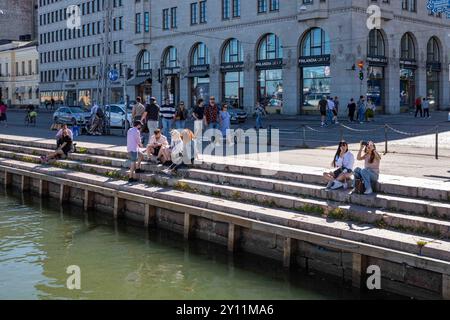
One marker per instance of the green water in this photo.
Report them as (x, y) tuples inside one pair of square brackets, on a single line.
[(39, 240)]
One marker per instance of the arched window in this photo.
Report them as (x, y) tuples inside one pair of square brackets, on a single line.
[(315, 43), (144, 60), (375, 45), (200, 55), (170, 59), (270, 48), (233, 52), (408, 49), (433, 52)]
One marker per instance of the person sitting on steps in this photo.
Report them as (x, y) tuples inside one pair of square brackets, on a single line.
[(371, 171), (343, 161), (63, 147)]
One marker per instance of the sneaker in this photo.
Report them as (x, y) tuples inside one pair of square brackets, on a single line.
[(368, 191), (337, 185)]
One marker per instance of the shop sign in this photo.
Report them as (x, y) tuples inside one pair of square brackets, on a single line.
[(171, 71), (306, 61), (144, 73), (377, 60), (269, 64), (204, 68), (232, 66), (408, 64)]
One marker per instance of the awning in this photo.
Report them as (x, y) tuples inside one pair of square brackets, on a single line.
[(137, 81)]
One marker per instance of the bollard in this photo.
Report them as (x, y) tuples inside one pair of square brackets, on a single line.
[(385, 139), (269, 138), (304, 136), (437, 143)]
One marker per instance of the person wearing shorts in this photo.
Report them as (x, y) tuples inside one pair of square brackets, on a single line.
[(323, 105), (135, 156)]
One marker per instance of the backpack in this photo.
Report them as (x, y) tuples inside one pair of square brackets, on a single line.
[(100, 112), (359, 186)]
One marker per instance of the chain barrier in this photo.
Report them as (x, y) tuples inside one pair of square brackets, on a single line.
[(386, 129)]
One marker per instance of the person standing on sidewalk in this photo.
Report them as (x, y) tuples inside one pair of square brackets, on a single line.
[(135, 156), (361, 109), (138, 110), (181, 116), (332, 114), (3, 117), (260, 113), (336, 108), (426, 107), (323, 107), (198, 115), (419, 107), (212, 117), (351, 107), (168, 115), (150, 120)]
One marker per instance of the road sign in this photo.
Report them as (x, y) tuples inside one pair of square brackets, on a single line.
[(113, 75)]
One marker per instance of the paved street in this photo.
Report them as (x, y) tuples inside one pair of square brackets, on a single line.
[(408, 156)]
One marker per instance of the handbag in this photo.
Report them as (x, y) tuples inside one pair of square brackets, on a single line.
[(359, 186)]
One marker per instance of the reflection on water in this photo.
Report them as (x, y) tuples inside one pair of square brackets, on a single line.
[(39, 240)]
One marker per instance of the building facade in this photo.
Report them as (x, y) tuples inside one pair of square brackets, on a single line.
[(285, 54), (19, 73), (72, 50), (17, 20)]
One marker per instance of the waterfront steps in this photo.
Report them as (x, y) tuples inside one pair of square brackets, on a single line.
[(401, 220)]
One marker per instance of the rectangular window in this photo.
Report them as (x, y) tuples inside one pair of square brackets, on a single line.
[(262, 6), (274, 5), (165, 21), (173, 18), (226, 9), (146, 21), (202, 11), (138, 23), (236, 8), (194, 12)]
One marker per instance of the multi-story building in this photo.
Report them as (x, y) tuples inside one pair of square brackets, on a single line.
[(17, 20), (286, 54), (19, 73), (71, 50)]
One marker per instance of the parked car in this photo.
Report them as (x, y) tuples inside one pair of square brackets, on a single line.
[(118, 115), (71, 115), (237, 115)]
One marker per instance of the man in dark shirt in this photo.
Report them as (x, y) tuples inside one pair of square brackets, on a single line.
[(212, 114), (150, 119), (323, 105)]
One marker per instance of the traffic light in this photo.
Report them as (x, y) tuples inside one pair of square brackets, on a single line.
[(361, 68), (361, 75), (130, 73)]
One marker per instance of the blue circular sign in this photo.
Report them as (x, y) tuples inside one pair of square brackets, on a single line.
[(113, 75)]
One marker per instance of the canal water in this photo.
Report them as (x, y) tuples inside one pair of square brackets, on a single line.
[(39, 240)]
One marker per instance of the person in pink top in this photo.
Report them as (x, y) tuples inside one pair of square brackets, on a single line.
[(371, 172), (3, 117), (135, 156)]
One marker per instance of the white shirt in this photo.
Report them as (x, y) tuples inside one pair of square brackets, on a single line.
[(347, 161), (133, 140), (94, 110), (331, 104), (426, 104)]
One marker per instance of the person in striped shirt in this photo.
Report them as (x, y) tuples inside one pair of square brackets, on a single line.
[(167, 112)]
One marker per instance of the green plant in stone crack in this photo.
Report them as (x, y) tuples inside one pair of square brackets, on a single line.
[(81, 150), (421, 243), (337, 214)]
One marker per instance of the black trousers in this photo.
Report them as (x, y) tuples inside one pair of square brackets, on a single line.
[(419, 109), (426, 112), (351, 114)]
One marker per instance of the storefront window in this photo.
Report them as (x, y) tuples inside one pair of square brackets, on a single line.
[(316, 43), (171, 78), (84, 98), (407, 92), (233, 88), (271, 89), (171, 58), (375, 45), (375, 84), (200, 55), (270, 73), (199, 73), (433, 72), (316, 84), (232, 73), (144, 61)]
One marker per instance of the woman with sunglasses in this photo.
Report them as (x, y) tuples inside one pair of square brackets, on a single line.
[(343, 162), (181, 116), (371, 171)]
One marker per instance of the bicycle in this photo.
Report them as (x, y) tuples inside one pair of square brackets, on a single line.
[(30, 118)]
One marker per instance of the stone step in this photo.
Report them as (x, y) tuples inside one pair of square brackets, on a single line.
[(326, 208), (368, 234), (414, 188), (426, 208)]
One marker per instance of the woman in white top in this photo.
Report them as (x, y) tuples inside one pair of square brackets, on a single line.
[(343, 163)]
